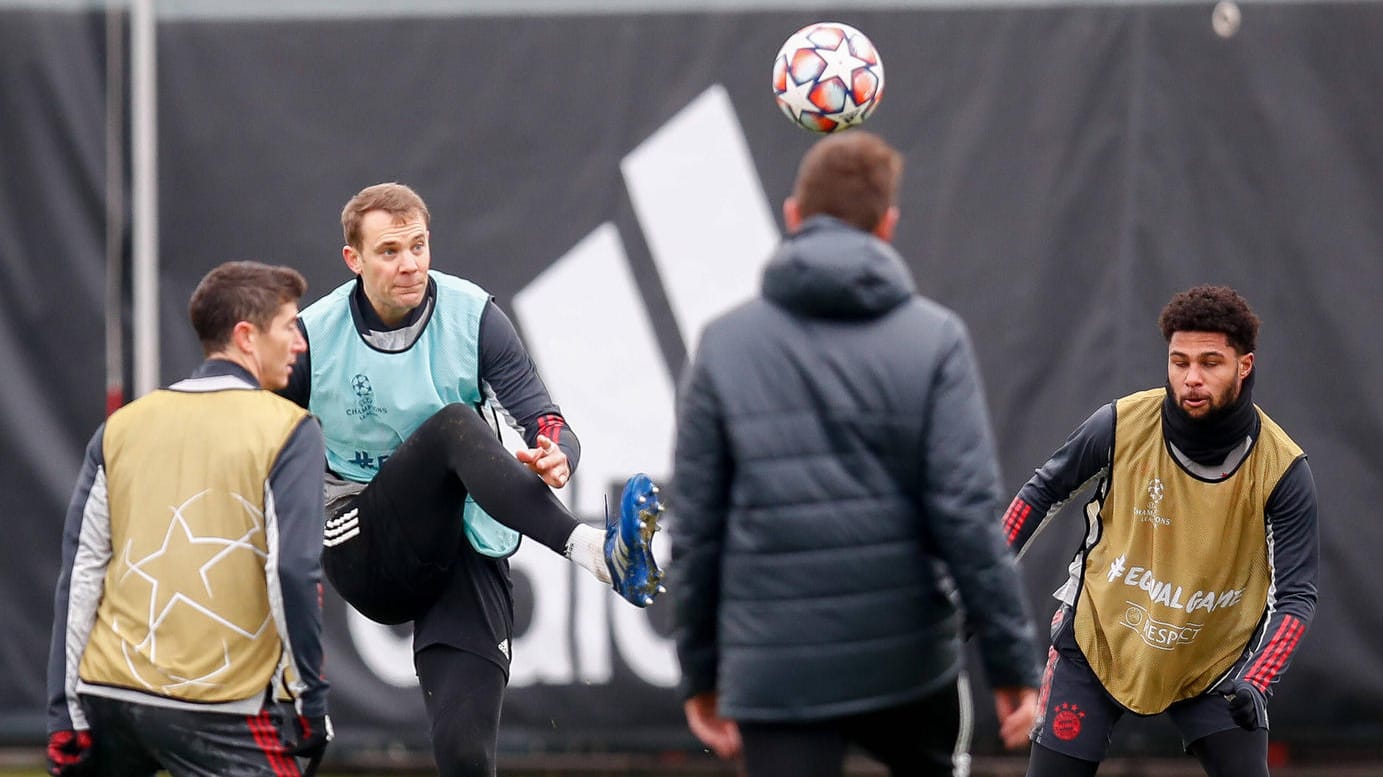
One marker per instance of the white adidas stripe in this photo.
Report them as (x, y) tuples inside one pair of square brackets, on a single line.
[(341, 528), (694, 189)]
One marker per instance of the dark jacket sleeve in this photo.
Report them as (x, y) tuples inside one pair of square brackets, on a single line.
[(960, 500), (86, 552), (1085, 455), (295, 484), (1295, 555), (509, 372), (701, 488)]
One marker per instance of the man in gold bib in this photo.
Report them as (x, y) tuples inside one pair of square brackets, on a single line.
[(190, 593), (1197, 577)]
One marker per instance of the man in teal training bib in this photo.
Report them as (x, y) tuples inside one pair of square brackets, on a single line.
[(423, 502)]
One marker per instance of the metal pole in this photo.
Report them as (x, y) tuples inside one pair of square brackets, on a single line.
[(144, 125), (115, 207)]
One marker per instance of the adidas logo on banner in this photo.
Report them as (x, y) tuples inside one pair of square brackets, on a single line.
[(709, 230)]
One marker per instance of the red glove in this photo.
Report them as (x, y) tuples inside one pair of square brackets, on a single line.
[(69, 753)]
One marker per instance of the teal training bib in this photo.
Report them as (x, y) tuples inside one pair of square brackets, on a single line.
[(370, 400)]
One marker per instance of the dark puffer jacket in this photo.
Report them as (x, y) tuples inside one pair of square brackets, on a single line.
[(834, 466)]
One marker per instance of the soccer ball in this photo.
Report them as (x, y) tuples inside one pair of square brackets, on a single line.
[(828, 77)]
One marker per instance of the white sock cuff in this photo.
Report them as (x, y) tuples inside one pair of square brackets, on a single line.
[(586, 547)]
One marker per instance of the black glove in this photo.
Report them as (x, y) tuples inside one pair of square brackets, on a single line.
[(1247, 704), (314, 732), (69, 753)]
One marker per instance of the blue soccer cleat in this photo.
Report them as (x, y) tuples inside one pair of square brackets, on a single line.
[(634, 572)]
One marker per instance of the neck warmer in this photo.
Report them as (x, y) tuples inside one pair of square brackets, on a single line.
[(1209, 440)]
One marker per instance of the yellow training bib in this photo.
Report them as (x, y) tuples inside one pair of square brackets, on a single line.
[(1177, 581)]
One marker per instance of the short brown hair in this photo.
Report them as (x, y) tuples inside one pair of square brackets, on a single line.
[(853, 176), (240, 291), (1212, 309), (395, 199)]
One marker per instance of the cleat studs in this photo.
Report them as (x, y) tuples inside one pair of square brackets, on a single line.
[(642, 499)]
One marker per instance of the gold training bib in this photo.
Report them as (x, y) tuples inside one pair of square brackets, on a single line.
[(1177, 581), (186, 610)]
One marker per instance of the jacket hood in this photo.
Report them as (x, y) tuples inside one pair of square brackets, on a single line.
[(828, 269)]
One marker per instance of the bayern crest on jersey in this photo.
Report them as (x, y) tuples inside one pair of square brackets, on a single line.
[(828, 77)]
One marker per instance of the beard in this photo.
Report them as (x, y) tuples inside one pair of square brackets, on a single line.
[(1220, 405), (1228, 419)]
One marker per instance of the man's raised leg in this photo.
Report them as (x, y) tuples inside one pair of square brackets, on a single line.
[(455, 453)]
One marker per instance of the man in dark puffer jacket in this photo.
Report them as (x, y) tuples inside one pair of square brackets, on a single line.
[(835, 494)]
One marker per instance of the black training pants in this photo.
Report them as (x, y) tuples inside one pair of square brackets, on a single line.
[(1233, 753), (409, 516), (924, 738), (463, 693), (137, 740)]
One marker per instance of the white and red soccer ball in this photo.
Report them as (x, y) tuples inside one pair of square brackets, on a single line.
[(828, 77)]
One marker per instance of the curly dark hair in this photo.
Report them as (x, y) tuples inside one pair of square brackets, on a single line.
[(1212, 309)]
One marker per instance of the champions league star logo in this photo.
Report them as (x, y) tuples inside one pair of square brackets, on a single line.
[(364, 399), (1153, 513)]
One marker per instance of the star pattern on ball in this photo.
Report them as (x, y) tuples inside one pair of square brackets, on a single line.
[(796, 98), (828, 77), (849, 114), (841, 63)]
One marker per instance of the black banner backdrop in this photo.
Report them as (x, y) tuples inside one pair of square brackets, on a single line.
[(52, 251), (1069, 169)]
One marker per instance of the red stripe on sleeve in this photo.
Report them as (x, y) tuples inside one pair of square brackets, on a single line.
[(1290, 645), (550, 426), (1266, 667), (1015, 518)]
